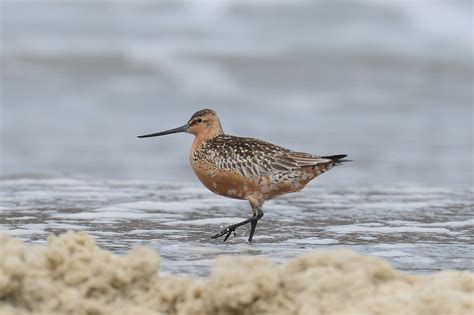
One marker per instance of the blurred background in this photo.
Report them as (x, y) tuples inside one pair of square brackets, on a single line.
[(387, 82)]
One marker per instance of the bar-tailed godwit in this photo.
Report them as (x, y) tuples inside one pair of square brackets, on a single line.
[(247, 168)]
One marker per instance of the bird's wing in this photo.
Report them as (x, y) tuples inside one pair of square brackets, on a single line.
[(255, 158), (306, 159)]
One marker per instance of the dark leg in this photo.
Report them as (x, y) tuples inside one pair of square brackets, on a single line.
[(253, 224), (231, 228)]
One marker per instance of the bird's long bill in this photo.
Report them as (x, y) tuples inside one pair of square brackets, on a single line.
[(167, 132)]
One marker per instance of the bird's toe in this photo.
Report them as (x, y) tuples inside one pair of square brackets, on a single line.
[(227, 231)]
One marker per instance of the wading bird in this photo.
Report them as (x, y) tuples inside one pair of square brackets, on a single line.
[(246, 168)]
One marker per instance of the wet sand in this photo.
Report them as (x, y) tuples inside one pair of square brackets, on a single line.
[(71, 275)]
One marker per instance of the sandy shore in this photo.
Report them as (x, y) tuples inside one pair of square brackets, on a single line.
[(71, 275)]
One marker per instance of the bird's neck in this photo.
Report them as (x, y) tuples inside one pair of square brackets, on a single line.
[(204, 136)]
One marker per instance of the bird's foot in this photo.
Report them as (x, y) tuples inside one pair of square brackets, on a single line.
[(228, 230)]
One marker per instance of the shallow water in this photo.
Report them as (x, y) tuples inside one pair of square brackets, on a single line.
[(420, 229)]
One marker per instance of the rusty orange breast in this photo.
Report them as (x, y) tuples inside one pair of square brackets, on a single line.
[(224, 182)]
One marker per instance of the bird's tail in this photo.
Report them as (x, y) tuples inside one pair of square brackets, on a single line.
[(329, 162), (323, 164), (337, 158)]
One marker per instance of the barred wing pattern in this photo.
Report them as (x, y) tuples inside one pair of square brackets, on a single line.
[(255, 158)]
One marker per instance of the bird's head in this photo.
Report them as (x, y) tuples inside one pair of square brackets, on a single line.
[(203, 123)]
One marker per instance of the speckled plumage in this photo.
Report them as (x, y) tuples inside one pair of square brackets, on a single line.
[(247, 168), (255, 158)]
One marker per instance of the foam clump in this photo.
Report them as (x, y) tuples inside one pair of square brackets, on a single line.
[(71, 275)]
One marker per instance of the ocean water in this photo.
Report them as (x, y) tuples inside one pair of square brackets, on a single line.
[(387, 82), (419, 229)]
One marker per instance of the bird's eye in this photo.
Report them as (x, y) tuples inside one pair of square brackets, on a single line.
[(199, 120)]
